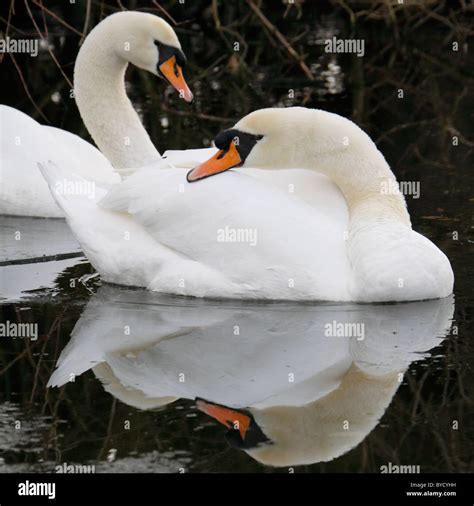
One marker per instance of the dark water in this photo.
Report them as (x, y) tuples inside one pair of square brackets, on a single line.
[(427, 422)]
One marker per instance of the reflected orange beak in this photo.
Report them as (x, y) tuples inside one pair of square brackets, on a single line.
[(174, 74), (231, 418), (220, 162)]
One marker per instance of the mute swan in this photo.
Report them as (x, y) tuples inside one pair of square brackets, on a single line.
[(144, 40), (238, 236), (385, 259), (290, 382), (24, 142)]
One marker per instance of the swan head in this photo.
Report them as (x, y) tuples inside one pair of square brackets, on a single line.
[(315, 431), (244, 432), (281, 138), (150, 43)]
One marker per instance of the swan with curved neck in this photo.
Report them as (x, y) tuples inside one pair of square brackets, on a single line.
[(126, 37), (146, 41), (314, 140), (379, 223), (246, 234)]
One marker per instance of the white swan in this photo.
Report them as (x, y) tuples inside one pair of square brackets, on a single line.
[(24, 142), (301, 393), (241, 237), (126, 37), (146, 41), (380, 257)]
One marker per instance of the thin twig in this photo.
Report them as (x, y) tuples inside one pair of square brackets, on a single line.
[(86, 22), (221, 29), (49, 49), (60, 68), (25, 86), (56, 17), (281, 38), (208, 69), (209, 117), (166, 13), (44, 21)]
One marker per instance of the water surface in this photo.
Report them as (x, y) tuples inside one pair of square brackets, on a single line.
[(128, 408)]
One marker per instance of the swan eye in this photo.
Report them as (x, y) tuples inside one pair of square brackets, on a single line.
[(222, 153), (243, 141), (166, 52)]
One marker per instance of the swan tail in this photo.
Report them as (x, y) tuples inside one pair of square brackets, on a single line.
[(68, 371), (95, 228), (69, 189), (117, 246)]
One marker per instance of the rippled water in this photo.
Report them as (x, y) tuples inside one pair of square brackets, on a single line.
[(400, 395)]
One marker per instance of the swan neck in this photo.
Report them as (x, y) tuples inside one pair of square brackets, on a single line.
[(366, 181), (99, 89), (369, 200)]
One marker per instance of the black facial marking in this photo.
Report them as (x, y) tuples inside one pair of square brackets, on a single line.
[(253, 437), (166, 52), (244, 142)]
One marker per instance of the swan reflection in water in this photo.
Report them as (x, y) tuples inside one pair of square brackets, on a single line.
[(293, 383)]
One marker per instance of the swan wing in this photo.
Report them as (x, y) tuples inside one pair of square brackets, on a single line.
[(308, 185), (119, 247), (265, 242)]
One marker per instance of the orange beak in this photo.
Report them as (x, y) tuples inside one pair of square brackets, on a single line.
[(220, 162), (174, 74), (231, 418)]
